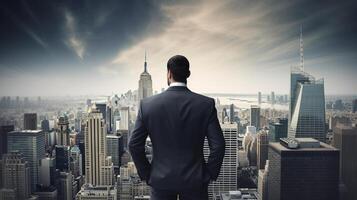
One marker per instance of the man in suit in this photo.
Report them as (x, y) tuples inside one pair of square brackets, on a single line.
[(177, 122)]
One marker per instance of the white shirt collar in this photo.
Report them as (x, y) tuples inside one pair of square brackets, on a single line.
[(178, 84)]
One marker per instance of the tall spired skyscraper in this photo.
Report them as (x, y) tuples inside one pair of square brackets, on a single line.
[(145, 83), (307, 103), (98, 167)]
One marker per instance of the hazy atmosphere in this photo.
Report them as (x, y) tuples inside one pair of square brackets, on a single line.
[(78, 47)]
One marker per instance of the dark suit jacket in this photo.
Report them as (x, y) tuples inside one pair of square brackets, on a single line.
[(177, 122)]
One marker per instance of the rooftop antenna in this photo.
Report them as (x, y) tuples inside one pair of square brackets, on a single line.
[(145, 64), (301, 50)]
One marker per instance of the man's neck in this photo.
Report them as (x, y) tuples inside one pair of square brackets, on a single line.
[(178, 84)]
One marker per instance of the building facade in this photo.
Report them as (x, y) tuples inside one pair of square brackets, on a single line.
[(303, 168), (63, 131), (227, 179), (255, 116), (16, 174), (145, 83), (307, 106), (98, 167), (345, 139), (30, 121), (31, 143)]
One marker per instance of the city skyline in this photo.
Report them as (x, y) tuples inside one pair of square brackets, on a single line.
[(83, 48)]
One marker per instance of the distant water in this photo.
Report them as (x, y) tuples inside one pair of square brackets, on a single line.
[(245, 101)]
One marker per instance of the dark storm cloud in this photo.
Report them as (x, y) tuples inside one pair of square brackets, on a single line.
[(329, 26), (70, 42), (59, 33)]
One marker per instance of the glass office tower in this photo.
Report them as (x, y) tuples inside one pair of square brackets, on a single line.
[(307, 106), (31, 143)]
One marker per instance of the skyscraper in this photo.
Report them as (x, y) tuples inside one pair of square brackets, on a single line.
[(76, 161), (65, 186), (30, 121), (278, 130), (102, 108), (262, 149), (45, 125), (3, 138), (31, 143), (259, 98), (255, 116), (303, 168), (145, 83), (62, 157), (231, 113), (124, 118), (345, 139), (307, 106), (98, 167), (16, 175), (354, 106), (63, 131), (307, 103), (227, 179), (47, 169), (272, 98), (115, 148)]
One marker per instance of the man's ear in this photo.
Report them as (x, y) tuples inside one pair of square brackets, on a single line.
[(169, 74)]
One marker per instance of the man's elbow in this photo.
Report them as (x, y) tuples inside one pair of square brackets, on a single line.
[(131, 147)]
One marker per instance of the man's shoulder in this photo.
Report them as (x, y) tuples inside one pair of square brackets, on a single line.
[(152, 98), (202, 97)]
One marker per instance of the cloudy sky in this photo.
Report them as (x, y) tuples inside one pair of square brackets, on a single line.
[(234, 46)]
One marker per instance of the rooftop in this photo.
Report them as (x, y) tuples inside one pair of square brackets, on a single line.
[(304, 144), (34, 132), (241, 194)]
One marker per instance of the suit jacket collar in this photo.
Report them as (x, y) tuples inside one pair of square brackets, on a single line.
[(177, 88)]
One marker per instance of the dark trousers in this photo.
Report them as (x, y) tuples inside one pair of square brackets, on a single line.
[(197, 194)]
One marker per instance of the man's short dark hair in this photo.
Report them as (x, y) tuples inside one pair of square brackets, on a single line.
[(179, 67)]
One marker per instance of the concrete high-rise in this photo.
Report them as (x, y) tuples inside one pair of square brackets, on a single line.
[(259, 98), (16, 175), (255, 116), (30, 121), (227, 179), (124, 118), (65, 186), (303, 168), (31, 143), (307, 106), (262, 149), (98, 167), (47, 169), (3, 138), (63, 131), (145, 83), (345, 139)]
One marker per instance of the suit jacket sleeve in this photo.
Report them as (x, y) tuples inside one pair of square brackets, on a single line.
[(216, 144), (137, 146)]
